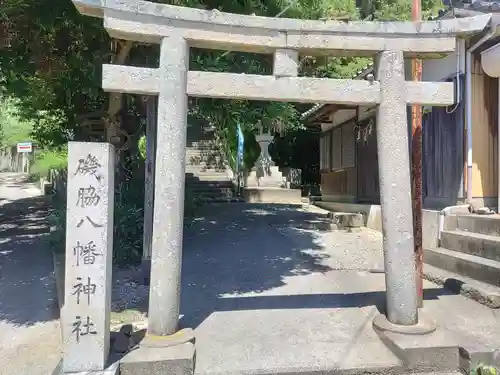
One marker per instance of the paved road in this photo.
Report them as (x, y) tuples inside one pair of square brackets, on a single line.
[(263, 296), (267, 297), (29, 325)]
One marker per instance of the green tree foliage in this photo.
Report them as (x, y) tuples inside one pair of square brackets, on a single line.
[(391, 10), (51, 59), (13, 129)]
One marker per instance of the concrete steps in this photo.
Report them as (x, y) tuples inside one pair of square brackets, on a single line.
[(208, 200), (206, 176), (200, 185), (475, 267), (483, 293), (481, 224), (203, 169), (469, 249), (478, 244), (213, 194)]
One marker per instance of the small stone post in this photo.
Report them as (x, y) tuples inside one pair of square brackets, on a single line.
[(395, 190), (89, 253), (169, 177)]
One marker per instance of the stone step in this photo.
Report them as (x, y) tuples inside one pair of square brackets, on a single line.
[(221, 200), (214, 193), (347, 219), (211, 168), (202, 167), (482, 245), (200, 174), (194, 173), (197, 184), (486, 294), (202, 153), (195, 143), (200, 135), (477, 268), (205, 150), (209, 178), (436, 350), (202, 188), (482, 224), (197, 168)]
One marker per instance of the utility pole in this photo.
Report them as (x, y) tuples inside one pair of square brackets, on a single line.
[(416, 170)]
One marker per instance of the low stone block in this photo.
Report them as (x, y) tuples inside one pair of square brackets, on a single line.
[(272, 195), (175, 360), (324, 225), (433, 351), (472, 354), (348, 219)]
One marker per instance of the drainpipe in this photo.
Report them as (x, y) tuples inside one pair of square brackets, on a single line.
[(468, 112), (498, 145)]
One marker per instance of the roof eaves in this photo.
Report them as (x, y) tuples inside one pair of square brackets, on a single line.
[(363, 73)]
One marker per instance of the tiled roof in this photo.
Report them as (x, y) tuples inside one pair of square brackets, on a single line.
[(361, 74), (484, 6)]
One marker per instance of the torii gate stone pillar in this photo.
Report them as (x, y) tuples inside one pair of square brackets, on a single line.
[(177, 29)]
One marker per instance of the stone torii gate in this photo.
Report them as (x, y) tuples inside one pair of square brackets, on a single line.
[(177, 29)]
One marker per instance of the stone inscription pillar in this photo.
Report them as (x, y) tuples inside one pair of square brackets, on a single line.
[(395, 190), (169, 178), (89, 252)]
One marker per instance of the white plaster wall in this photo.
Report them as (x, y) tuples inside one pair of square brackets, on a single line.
[(440, 69), (338, 118)]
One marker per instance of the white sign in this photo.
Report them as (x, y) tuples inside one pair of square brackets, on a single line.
[(24, 147)]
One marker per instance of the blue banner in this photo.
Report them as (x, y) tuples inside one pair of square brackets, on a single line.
[(241, 145)]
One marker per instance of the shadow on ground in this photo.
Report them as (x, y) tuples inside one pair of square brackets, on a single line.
[(26, 281), (235, 257)]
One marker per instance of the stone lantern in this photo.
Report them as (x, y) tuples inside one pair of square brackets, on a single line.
[(265, 173)]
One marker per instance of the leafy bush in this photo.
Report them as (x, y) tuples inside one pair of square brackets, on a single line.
[(48, 160), (485, 370), (128, 211), (57, 222), (128, 222), (13, 128), (142, 146)]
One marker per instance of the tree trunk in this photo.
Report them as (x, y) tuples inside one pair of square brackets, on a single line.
[(115, 98)]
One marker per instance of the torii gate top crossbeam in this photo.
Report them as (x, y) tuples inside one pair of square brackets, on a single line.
[(149, 22)]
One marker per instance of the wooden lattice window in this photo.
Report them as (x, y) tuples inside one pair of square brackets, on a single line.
[(343, 147), (324, 152)]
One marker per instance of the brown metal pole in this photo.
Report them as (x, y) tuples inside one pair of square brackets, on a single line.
[(416, 170)]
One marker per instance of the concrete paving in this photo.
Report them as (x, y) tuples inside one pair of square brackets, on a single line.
[(265, 297), (29, 325)]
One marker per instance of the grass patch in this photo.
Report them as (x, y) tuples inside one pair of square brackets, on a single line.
[(14, 130), (485, 370), (47, 160)]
